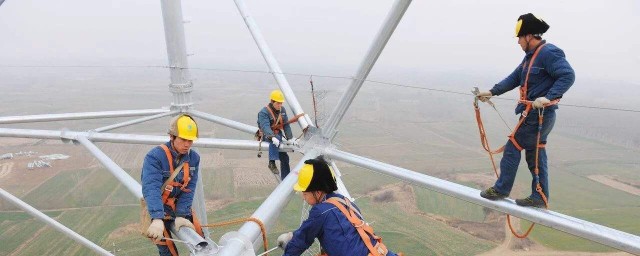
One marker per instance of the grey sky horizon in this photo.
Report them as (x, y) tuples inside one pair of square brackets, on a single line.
[(325, 37)]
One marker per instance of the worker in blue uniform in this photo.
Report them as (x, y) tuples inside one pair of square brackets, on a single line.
[(169, 201), (337, 234), (274, 127), (544, 76)]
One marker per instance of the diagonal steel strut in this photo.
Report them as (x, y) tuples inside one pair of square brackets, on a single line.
[(53, 223), (391, 22), (272, 63)]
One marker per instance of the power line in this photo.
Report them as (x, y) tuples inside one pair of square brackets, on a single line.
[(302, 74), (81, 66)]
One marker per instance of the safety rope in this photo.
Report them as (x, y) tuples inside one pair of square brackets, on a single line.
[(263, 230), (313, 97), (485, 145)]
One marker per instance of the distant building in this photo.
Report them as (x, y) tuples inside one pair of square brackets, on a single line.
[(54, 157)]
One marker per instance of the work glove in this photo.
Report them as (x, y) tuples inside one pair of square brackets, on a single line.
[(284, 239), (182, 222), (156, 229), (540, 102), (275, 142), (484, 96)]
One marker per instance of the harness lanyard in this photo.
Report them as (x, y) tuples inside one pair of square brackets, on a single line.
[(485, 143)]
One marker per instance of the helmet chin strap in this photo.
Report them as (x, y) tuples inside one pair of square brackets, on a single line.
[(173, 146), (528, 41), (319, 198)]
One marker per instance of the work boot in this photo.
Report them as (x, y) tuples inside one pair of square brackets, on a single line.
[(531, 202), (272, 167), (492, 194)]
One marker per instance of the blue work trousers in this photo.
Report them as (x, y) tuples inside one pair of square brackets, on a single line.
[(275, 154), (526, 136)]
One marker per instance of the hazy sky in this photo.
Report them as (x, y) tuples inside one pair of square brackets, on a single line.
[(473, 37)]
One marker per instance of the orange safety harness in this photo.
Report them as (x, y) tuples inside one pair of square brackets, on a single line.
[(363, 228), (276, 127), (278, 123), (528, 107), (170, 201)]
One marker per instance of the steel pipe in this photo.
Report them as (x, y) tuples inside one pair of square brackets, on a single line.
[(391, 22), (223, 121), (76, 116), (585, 229), (342, 189), (135, 121), (53, 223), (136, 139), (181, 85), (272, 63), (131, 184), (268, 211)]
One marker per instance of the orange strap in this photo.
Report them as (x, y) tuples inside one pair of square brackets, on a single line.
[(196, 224), (166, 191), (523, 96), (277, 122), (168, 243), (523, 88), (363, 228)]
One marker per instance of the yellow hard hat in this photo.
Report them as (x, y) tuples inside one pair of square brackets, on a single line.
[(304, 178), (316, 175), (529, 24), (518, 26), (277, 96), (185, 127)]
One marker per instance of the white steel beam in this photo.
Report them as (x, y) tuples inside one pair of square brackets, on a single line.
[(199, 206), (53, 223), (223, 121), (342, 189), (391, 22), (588, 230), (181, 85), (268, 211), (135, 121), (76, 116), (131, 184), (272, 63), (136, 139)]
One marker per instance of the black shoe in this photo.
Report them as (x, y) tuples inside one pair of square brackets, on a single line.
[(531, 202), (272, 167), (492, 194)]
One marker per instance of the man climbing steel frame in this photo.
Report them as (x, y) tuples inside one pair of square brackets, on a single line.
[(168, 194), (543, 76), (333, 219), (273, 122)]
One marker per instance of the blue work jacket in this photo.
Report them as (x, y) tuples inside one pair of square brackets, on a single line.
[(155, 171), (336, 234), (550, 76), (265, 121)]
